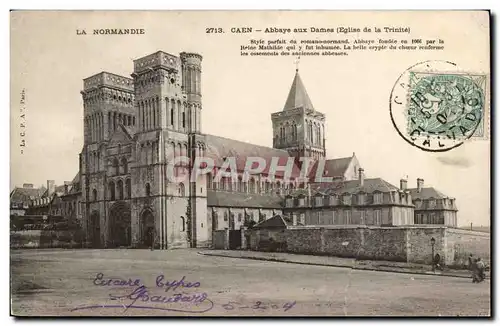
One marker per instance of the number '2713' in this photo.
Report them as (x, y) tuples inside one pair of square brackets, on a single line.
[(214, 30)]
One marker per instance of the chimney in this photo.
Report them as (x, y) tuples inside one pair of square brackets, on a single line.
[(51, 187), (420, 184), (27, 185), (361, 177), (402, 184)]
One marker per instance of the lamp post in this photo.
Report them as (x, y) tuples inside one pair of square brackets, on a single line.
[(433, 242)]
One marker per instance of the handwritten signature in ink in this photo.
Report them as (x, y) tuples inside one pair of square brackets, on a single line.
[(258, 305), (142, 298)]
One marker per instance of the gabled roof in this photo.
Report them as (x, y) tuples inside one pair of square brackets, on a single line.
[(297, 97), (426, 193), (332, 168), (276, 221), (219, 148), (243, 200)]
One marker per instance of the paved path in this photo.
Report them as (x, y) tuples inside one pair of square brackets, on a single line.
[(55, 282), (387, 266)]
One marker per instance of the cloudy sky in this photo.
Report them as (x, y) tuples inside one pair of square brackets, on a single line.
[(49, 61)]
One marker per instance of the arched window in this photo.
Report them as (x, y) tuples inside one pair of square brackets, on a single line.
[(120, 189), (182, 190), (128, 188), (116, 166), (183, 119), (94, 195), (148, 190), (125, 165), (225, 216), (111, 189)]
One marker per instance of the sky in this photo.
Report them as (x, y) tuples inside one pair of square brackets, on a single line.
[(49, 61)]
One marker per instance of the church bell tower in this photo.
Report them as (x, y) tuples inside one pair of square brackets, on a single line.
[(299, 128)]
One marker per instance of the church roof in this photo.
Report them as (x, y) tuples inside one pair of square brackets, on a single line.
[(297, 97), (333, 168), (219, 148), (235, 199)]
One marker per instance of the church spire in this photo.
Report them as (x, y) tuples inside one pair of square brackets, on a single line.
[(297, 97)]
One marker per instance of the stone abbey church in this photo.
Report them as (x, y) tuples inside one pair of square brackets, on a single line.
[(134, 126)]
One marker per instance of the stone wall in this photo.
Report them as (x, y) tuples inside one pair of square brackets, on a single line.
[(266, 239), (383, 244), (304, 240), (403, 244), (462, 243), (342, 241), (46, 239), (418, 243)]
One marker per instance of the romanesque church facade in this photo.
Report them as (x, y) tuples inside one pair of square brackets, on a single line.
[(134, 126)]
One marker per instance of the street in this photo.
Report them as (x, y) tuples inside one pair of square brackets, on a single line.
[(185, 283)]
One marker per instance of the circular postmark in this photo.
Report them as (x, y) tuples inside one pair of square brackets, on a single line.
[(436, 107)]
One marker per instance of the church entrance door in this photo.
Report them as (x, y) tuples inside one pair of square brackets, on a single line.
[(147, 228), (120, 225), (95, 228)]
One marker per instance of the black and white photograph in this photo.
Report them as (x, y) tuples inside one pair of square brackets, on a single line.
[(250, 163)]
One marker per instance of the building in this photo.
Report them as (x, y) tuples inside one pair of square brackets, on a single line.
[(134, 127), (362, 201), (432, 206), (21, 198)]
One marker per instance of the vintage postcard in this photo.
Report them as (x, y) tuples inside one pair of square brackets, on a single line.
[(250, 163)]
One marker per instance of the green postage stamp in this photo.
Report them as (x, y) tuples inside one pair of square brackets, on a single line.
[(447, 106)]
